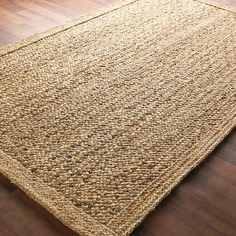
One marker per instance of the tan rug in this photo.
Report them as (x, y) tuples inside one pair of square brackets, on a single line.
[(102, 117)]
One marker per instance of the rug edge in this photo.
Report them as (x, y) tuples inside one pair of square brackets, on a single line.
[(11, 47)]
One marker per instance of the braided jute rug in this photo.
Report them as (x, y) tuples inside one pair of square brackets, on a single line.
[(102, 117)]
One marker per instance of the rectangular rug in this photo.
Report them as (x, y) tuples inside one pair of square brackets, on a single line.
[(102, 117)]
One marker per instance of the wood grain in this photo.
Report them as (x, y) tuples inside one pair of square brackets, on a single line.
[(203, 204)]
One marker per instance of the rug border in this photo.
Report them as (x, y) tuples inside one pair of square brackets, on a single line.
[(73, 217), (48, 198), (89, 16), (200, 154)]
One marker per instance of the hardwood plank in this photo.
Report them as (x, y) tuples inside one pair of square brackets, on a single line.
[(24, 18), (28, 218), (228, 2)]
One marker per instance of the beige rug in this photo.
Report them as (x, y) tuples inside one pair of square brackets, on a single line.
[(102, 117)]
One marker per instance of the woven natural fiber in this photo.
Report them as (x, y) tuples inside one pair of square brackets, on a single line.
[(103, 116)]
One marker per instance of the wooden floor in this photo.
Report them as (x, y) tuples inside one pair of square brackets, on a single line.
[(204, 204)]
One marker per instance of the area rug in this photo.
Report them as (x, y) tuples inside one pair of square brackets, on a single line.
[(102, 117)]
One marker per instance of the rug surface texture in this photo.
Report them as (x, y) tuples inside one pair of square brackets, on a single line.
[(102, 117)]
